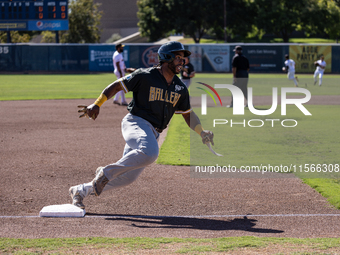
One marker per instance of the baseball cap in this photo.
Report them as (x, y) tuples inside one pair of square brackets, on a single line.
[(238, 47), (119, 45), (286, 56)]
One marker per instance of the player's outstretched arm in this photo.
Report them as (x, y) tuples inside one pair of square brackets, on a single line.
[(195, 124), (92, 111)]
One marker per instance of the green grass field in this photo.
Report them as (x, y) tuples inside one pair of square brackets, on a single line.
[(57, 86), (38, 87), (315, 140), (99, 245), (273, 144)]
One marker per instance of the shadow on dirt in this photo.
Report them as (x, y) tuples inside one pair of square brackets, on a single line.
[(149, 222)]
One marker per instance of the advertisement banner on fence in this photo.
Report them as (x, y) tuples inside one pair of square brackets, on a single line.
[(149, 56), (305, 56), (196, 57), (217, 57), (210, 58), (100, 59), (265, 58)]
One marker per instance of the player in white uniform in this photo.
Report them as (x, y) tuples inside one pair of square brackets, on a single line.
[(320, 69), (119, 71), (290, 69)]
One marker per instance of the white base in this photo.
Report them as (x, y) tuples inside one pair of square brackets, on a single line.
[(65, 210)]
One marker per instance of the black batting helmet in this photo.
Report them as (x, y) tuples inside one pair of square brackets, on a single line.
[(166, 51)]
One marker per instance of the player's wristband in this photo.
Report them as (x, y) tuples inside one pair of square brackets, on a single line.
[(198, 129), (100, 100)]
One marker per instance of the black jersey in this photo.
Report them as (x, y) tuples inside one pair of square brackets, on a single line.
[(153, 100), (242, 65)]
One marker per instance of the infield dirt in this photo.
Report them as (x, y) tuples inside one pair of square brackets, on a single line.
[(45, 149)]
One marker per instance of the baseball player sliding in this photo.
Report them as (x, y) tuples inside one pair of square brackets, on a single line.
[(157, 94)]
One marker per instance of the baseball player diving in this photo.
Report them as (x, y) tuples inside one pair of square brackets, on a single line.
[(157, 94)]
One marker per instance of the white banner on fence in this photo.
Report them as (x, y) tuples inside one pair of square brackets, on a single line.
[(216, 56)]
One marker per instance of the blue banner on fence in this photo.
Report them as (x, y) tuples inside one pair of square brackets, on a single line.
[(265, 58), (100, 59)]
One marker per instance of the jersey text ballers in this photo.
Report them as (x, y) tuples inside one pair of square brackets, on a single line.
[(157, 94)]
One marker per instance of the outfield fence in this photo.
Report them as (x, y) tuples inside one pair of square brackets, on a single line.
[(207, 58)]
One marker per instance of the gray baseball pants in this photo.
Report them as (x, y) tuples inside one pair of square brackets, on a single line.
[(141, 149)]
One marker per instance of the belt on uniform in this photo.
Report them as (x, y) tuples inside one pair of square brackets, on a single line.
[(158, 130)]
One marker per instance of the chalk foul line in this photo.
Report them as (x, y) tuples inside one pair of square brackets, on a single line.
[(182, 216)]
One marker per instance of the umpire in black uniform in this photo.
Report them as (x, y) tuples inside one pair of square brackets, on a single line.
[(240, 68)]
